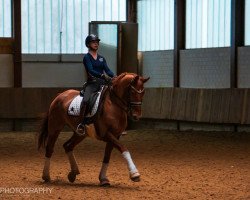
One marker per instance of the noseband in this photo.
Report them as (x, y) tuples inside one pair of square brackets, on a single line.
[(135, 103)]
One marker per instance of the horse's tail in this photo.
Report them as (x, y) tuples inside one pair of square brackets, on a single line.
[(43, 132)]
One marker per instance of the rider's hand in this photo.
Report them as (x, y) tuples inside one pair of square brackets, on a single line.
[(106, 78)]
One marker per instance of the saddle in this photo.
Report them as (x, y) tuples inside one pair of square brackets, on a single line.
[(92, 105), (95, 100)]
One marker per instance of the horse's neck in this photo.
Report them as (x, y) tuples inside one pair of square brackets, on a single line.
[(116, 100), (110, 117), (120, 95), (120, 91)]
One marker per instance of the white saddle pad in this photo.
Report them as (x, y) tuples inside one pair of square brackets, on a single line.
[(75, 106)]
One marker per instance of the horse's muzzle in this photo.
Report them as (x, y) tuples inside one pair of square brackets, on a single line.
[(135, 117)]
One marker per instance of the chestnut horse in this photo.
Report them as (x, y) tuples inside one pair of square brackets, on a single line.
[(122, 99)]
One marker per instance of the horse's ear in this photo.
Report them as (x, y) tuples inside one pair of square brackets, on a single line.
[(144, 80), (135, 79)]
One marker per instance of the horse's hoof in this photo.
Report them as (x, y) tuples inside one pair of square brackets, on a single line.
[(72, 177), (104, 183), (135, 177), (46, 179)]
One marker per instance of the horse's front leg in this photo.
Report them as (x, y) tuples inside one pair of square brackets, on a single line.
[(104, 181), (133, 172)]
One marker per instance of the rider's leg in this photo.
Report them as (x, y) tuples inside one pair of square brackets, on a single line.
[(88, 91), (81, 127)]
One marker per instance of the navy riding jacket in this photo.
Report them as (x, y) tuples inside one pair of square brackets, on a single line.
[(95, 68)]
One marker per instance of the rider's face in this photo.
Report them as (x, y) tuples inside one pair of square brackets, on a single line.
[(94, 45)]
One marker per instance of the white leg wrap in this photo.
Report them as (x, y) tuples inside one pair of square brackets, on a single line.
[(131, 166), (103, 171), (72, 161)]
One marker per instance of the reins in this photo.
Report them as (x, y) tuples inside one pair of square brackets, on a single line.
[(123, 105)]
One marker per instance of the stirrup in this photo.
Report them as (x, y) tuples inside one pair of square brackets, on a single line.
[(80, 130)]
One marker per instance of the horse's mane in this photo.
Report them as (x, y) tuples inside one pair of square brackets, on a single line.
[(122, 75)]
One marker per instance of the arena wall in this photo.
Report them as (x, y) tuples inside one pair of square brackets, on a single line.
[(214, 107), (6, 70), (199, 68)]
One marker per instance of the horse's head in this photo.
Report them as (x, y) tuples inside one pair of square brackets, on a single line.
[(129, 88)]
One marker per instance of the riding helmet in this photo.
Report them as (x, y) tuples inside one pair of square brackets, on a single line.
[(91, 38)]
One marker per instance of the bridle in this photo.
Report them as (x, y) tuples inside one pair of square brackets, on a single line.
[(134, 103), (127, 105)]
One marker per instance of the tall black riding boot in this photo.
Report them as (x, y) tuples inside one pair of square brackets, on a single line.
[(80, 130)]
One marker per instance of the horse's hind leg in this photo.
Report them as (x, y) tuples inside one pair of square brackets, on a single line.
[(49, 151), (104, 181), (69, 147), (54, 127)]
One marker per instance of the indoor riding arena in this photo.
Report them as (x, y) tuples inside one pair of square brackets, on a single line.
[(168, 115)]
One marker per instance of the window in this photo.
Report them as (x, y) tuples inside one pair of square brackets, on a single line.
[(5, 18), (60, 26), (156, 25), (247, 22), (208, 23)]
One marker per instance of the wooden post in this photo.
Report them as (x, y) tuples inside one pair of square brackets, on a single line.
[(179, 36), (132, 11), (237, 37), (17, 43)]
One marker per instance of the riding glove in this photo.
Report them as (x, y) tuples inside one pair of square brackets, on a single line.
[(106, 78)]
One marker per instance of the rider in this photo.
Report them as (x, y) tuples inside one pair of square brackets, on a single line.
[(98, 73)]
